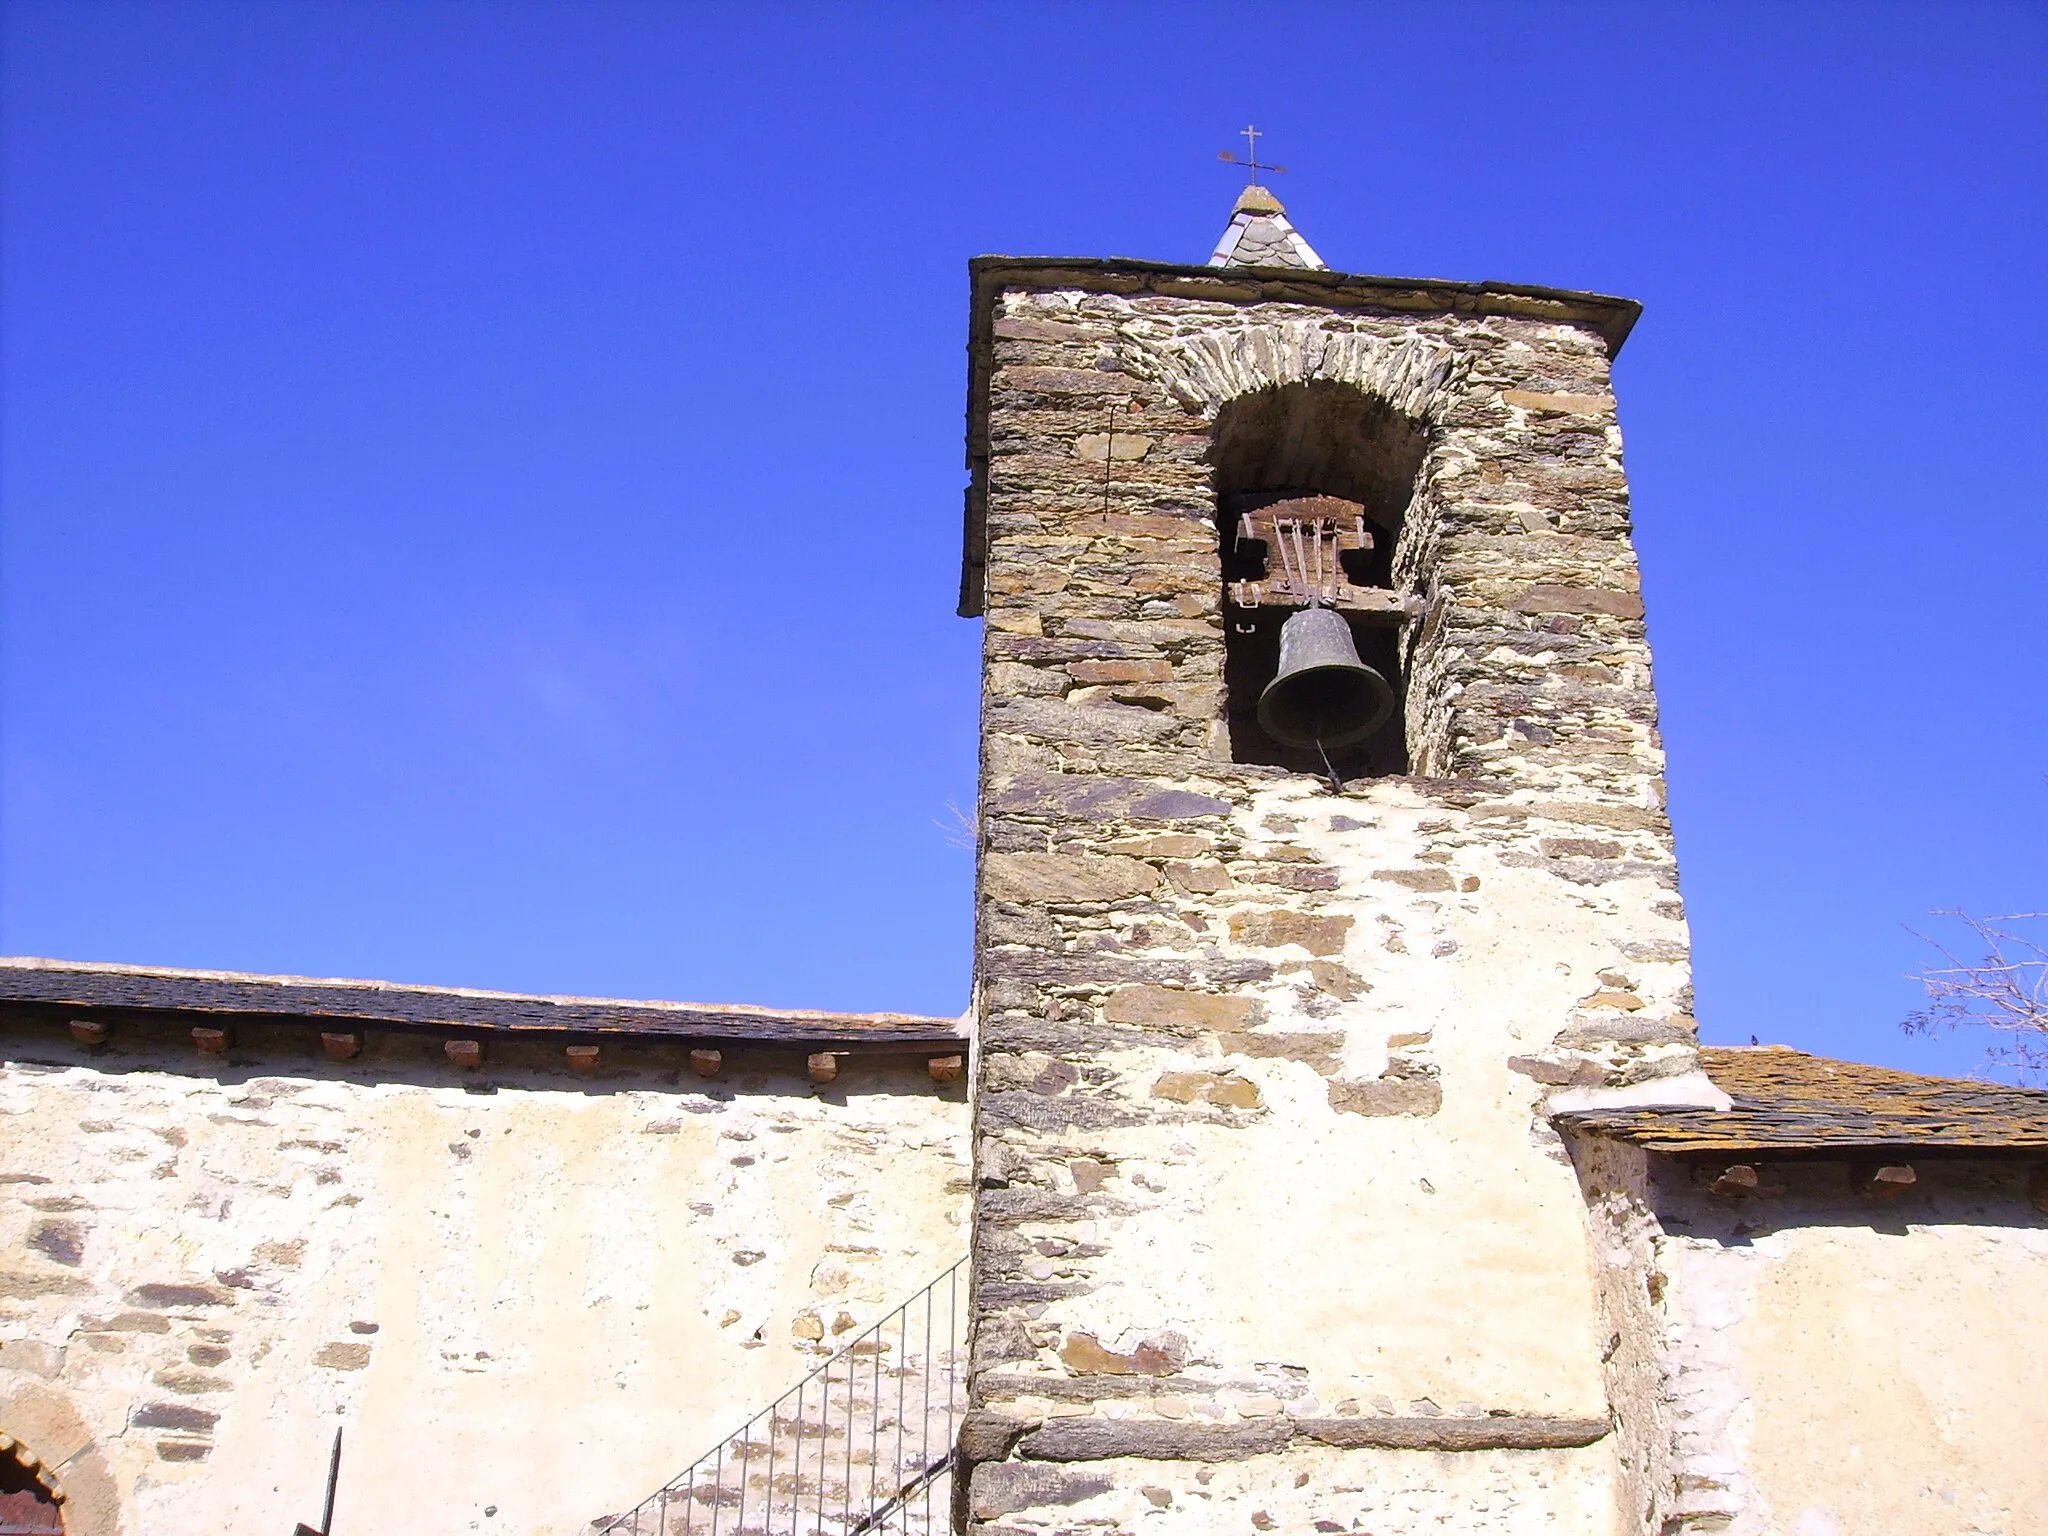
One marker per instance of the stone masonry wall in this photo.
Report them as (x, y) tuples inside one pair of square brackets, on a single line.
[(528, 1297), (1796, 1358), (1271, 1226)]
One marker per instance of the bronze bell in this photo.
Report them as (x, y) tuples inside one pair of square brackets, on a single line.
[(1323, 695)]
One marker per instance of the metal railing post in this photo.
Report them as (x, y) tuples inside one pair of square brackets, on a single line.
[(894, 1497)]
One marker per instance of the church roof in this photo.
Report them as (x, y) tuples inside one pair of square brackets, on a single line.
[(111, 992), (1789, 1102), (1260, 236)]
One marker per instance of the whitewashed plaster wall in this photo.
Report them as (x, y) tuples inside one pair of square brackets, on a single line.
[(527, 1306), (1802, 1362)]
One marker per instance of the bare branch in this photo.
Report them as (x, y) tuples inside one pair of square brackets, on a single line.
[(2005, 989)]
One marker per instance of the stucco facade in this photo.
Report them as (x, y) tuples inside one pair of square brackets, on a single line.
[(1795, 1355), (529, 1296)]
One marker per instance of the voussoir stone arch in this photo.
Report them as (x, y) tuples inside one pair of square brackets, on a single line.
[(1204, 369), (42, 1430)]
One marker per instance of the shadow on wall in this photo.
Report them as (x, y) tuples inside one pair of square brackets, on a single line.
[(1698, 1199)]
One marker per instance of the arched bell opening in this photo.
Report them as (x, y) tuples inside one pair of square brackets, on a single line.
[(1313, 483), (31, 1502)]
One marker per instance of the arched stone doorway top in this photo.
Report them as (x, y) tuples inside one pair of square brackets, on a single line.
[(1205, 366), (32, 1496)]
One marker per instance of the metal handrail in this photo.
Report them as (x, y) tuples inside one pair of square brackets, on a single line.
[(811, 1475)]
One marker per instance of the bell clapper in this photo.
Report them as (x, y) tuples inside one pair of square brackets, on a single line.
[(1336, 784)]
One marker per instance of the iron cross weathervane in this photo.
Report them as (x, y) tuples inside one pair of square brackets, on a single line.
[(1251, 160)]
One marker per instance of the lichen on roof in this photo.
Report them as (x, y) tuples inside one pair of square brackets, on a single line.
[(1789, 1102)]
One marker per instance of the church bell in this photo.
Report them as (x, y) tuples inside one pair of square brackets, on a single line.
[(1323, 695)]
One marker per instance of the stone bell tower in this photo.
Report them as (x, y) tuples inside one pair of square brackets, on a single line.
[(1272, 1229)]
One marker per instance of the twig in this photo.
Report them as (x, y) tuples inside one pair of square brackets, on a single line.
[(2005, 989)]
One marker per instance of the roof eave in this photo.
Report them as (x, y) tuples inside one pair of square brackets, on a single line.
[(1902, 1141), (112, 993)]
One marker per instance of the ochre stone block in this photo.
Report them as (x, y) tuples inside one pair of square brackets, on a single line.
[(1579, 848), (1065, 878), (1626, 1002), (1173, 1008), (1575, 405), (1419, 1097), (1416, 879), (1201, 879), (1317, 935), (1337, 980), (1158, 1355), (1225, 1089), (1101, 447), (348, 1356), (1166, 845)]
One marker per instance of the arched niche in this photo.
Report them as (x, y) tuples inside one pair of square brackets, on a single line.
[(1290, 444)]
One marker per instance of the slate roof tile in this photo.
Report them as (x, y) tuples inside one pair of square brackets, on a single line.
[(1788, 1101), (64, 987), (1260, 236)]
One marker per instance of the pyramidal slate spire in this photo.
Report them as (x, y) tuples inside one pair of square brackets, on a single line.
[(1260, 236)]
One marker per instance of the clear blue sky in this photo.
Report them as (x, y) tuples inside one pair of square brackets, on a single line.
[(481, 482)]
